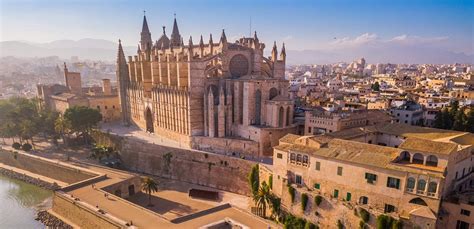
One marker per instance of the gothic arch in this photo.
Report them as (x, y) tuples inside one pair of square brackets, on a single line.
[(273, 93), (281, 114), (149, 120), (258, 106)]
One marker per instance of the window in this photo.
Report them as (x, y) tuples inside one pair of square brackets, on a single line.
[(465, 212), (292, 157), (298, 158), (317, 185), (305, 159), (363, 200), (336, 193), (279, 155), (410, 184), (98, 108), (298, 179), (318, 165), (432, 187), (371, 178), (389, 208), (393, 182), (420, 189), (462, 225), (105, 107), (339, 170), (348, 196)]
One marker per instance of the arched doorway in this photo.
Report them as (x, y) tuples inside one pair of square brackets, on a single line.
[(149, 120)]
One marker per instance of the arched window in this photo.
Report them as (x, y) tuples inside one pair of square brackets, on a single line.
[(298, 158), (363, 200), (432, 160), (280, 117), (410, 184), (418, 158), (287, 116), (421, 186), (432, 187), (405, 156), (273, 93), (258, 106), (305, 159), (292, 157), (418, 201)]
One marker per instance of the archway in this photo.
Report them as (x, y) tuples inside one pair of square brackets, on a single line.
[(405, 156), (273, 93), (149, 120), (418, 201), (432, 161), (418, 158)]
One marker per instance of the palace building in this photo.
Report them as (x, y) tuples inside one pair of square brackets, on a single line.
[(223, 97)]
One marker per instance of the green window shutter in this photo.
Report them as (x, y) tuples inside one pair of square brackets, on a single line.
[(336, 193), (348, 196), (317, 186)]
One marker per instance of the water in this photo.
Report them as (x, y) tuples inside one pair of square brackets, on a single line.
[(19, 202)]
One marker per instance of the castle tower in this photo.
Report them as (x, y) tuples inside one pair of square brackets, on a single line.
[(122, 81), (73, 81), (175, 36), (146, 41)]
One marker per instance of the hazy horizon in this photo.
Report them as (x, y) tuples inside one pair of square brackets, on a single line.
[(384, 31)]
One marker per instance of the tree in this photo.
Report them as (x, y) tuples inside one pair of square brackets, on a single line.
[(149, 186), (263, 197), (82, 120), (62, 126), (304, 201), (470, 120), (253, 179), (460, 120), (447, 119), (376, 86)]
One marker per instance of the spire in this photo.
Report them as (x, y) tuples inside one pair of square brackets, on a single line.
[(210, 39), (223, 37), (145, 40), (175, 36), (274, 51), (283, 53), (164, 30), (122, 81), (190, 43), (138, 50), (201, 42), (256, 42), (255, 35)]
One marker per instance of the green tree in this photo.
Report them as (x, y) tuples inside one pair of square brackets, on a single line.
[(253, 179), (447, 119), (263, 197), (83, 120), (149, 186), (376, 86), (460, 120), (470, 120), (62, 126)]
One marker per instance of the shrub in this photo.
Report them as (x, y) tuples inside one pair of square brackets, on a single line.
[(292, 192), (397, 224), (304, 201), (26, 147), (361, 224), (309, 225), (15, 155), (364, 215), (293, 222), (339, 224), (318, 199), (270, 181), (16, 145), (382, 222)]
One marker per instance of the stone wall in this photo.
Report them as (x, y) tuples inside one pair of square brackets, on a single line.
[(242, 147), (207, 169), (44, 167), (81, 215), (28, 179)]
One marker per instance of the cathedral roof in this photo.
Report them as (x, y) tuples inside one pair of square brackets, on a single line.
[(164, 41)]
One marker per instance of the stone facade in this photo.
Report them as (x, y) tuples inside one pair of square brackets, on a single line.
[(222, 90)]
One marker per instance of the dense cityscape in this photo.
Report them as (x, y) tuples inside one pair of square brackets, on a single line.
[(220, 131)]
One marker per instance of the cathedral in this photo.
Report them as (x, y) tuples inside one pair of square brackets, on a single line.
[(223, 97)]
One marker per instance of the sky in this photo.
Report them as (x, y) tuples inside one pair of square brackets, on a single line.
[(302, 25)]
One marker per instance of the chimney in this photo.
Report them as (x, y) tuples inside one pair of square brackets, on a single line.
[(106, 88)]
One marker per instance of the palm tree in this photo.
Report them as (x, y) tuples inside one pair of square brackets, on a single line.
[(62, 127), (149, 186), (263, 197)]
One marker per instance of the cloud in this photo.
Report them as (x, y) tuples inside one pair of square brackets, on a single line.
[(363, 39), (415, 40)]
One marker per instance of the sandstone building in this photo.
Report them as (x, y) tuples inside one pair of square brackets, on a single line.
[(223, 96), (59, 97), (401, 170)]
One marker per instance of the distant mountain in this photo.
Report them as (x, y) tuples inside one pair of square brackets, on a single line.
[(97, 49), (94, 49)]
